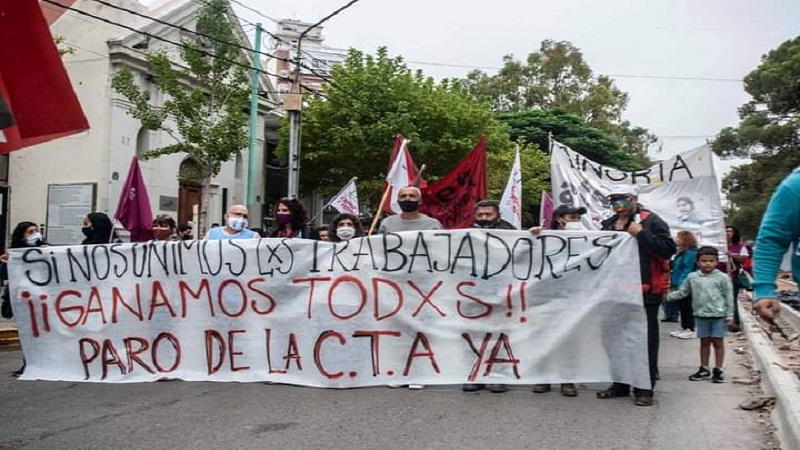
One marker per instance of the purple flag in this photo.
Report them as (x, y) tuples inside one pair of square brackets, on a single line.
[(546, 211), (133, 209)]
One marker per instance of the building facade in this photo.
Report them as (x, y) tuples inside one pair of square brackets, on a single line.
[(55, 183)]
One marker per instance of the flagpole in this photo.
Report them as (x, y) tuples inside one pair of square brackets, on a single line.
[(352, 180), (550, 143), (380, 208)]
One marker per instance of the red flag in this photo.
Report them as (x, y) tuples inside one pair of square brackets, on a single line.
[(133, 209), (33, 82), (452, 199), (401, 173)]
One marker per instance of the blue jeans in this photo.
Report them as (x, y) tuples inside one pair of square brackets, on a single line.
[(671, 310)]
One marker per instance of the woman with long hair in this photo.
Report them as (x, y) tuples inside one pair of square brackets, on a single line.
[(164, 227), (98, 229), (25, 235), (737, 254), (291, 220), (345, 227), (685, 262)]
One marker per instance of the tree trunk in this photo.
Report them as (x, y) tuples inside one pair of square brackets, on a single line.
[(205, 204)]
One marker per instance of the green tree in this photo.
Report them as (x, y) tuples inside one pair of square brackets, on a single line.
[(207, 100), (374, 97), (535, 126), (557, 77), (769, 134)]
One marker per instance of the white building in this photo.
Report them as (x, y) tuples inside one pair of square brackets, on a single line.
[(86, 171)]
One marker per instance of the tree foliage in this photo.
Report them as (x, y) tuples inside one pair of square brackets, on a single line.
[(535, 126), (769, 134), (206, 99), (556, 77), (371, 99)]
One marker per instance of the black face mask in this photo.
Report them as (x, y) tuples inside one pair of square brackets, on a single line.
[(87, 231), (409, 205), (486, 223)]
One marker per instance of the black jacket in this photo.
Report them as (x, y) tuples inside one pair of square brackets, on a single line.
[(499, 225), (654, 239)]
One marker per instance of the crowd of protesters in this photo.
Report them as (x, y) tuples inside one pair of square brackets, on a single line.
[(693, 285)]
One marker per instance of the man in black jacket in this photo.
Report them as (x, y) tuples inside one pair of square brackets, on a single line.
[(656, 246), (487, 215)]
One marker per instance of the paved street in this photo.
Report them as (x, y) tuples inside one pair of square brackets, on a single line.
[(687, 415)]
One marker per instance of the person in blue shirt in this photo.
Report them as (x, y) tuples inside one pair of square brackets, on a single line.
[(685, 263), (235, 225), (779, 232)]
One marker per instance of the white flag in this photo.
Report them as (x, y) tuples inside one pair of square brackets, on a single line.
[(398, 176), (346, 201), (511, 202)]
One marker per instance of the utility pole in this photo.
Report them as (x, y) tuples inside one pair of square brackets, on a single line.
[(293, 105), (254, 89)]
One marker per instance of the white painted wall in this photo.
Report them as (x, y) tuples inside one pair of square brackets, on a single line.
[(107, 148)]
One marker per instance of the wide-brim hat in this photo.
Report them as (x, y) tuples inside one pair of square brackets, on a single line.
[(569, 209)]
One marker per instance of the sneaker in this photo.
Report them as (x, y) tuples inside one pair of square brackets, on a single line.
[(686, 334), (718, 376), (701, 374), (676, 332), (497, 388), (395, 385), (471, 387), (416, 387)]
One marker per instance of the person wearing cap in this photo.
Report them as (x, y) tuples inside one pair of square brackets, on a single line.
[(565, 217), (656, 247)]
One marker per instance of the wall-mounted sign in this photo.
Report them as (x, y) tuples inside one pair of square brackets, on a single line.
[(67, 205)]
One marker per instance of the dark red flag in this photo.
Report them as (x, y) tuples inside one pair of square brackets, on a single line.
[(34, 85), (133, 209), (452, 198)]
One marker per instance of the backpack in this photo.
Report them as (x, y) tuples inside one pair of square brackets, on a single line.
[(659, 270)]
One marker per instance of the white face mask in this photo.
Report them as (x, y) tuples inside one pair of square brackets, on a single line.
[(574, 226), (237, 223), (33, 239), (345, 233)]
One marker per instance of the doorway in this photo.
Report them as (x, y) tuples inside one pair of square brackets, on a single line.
[(190, 193)]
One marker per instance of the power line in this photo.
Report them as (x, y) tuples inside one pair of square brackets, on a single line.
[(177, 44), (255, 11)]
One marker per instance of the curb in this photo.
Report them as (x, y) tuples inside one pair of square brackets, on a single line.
[(783, 384)]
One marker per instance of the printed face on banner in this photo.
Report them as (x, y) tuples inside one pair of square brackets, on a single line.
[(432, 307), (682, 190)]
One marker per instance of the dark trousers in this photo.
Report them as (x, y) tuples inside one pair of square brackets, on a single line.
[(736, 306), (652, 303), (687, 313)]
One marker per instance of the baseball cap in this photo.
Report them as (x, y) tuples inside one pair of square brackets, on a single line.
[(621, 190)]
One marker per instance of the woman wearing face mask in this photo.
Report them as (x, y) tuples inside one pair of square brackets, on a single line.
[(565, 217), (98, 229), (164, 227), (25, 235), (290, 220), (345, 227)]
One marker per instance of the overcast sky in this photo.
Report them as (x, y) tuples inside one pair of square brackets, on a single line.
[(718, 39)]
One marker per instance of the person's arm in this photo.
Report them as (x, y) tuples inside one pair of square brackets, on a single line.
[(684, 291), (727, 292), (655, 238), (780, 227)]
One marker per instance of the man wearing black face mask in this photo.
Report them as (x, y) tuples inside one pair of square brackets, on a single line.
[(487, 215), (409, 198)]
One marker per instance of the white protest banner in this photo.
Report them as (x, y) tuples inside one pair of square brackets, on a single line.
[(432, 307), (511, 201), (682, 190), (346, 201)]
